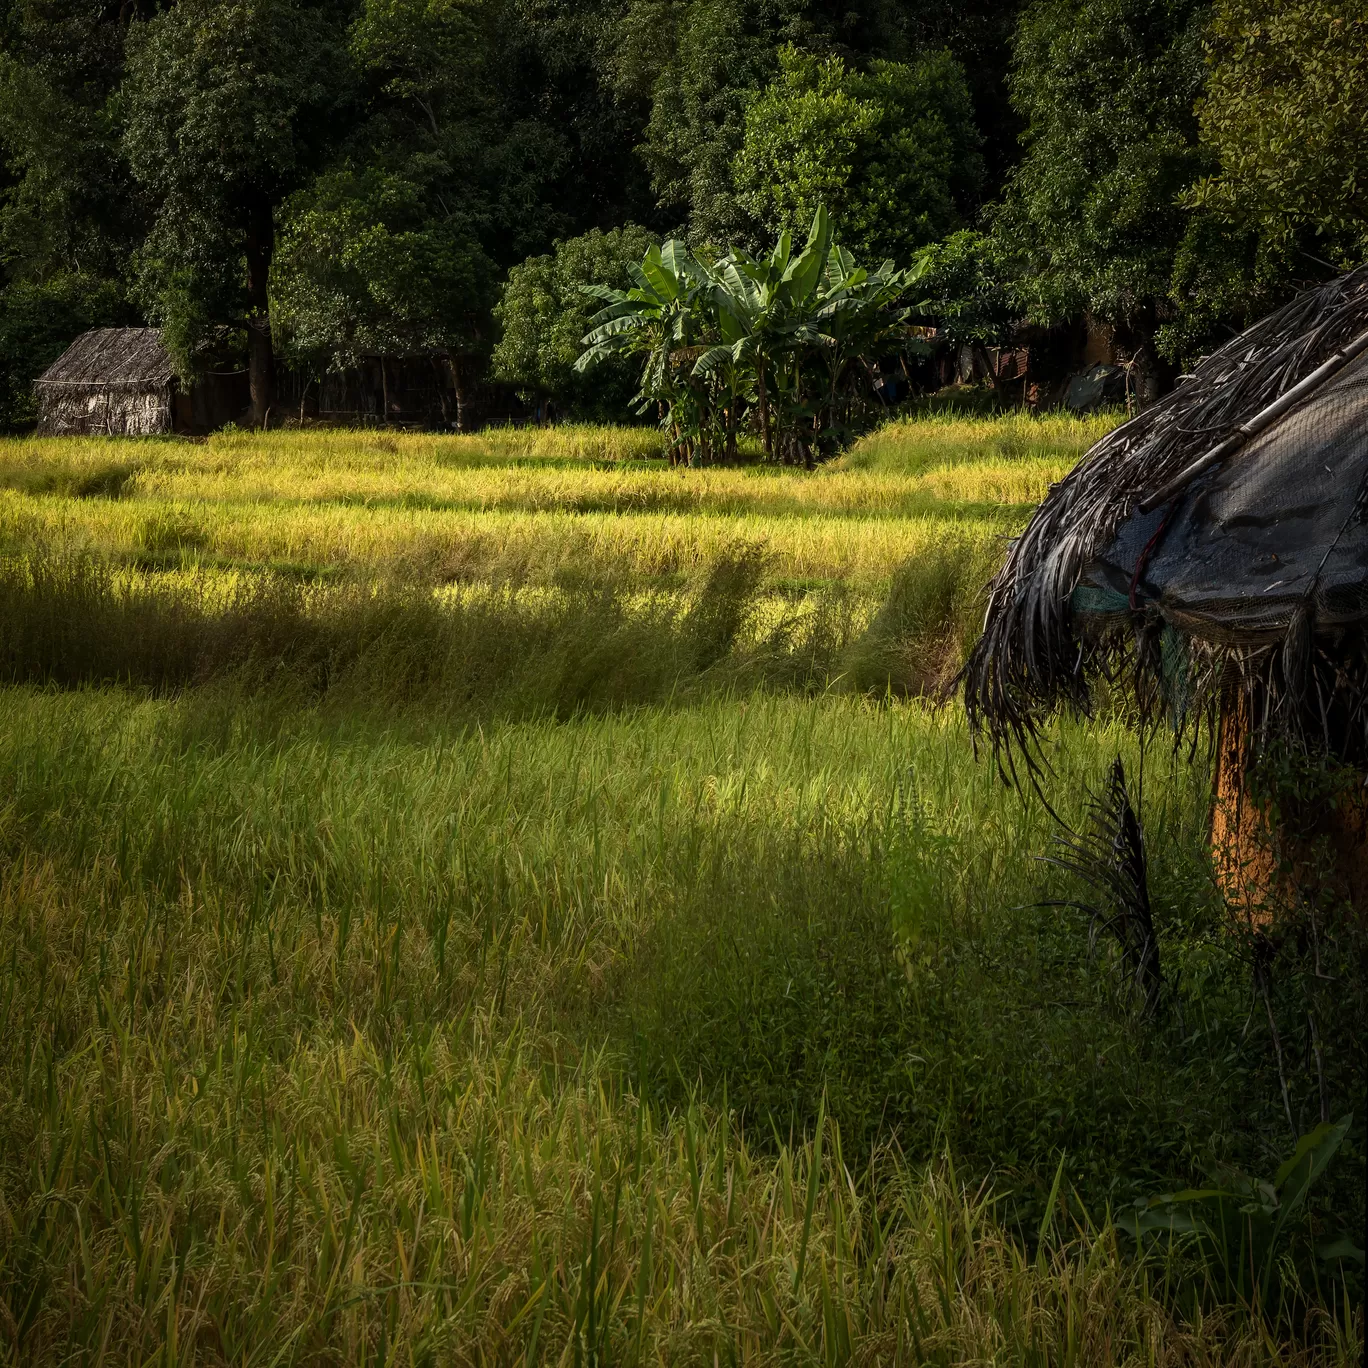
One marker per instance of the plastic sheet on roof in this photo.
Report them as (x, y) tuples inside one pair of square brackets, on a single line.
[(1279, 530)]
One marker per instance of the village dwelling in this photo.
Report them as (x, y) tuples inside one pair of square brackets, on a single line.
[(120, 382), (1215, 550)]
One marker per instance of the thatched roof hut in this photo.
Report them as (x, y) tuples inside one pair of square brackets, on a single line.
[(120, 381), (110, 380), (1214, 548)]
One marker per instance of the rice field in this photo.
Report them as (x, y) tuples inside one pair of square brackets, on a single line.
[(502, 900), (477, 507)]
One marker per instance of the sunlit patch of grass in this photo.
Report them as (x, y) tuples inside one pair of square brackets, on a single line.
[(912, 446), (434, 547)]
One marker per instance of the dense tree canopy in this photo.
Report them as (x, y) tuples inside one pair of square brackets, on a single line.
[(69, 217), (1108, 89), (1286, 113), (367, 264), (545, 313), (228, 105), (312, 181), (893, 152)]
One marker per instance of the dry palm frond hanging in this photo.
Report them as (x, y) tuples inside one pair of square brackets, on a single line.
[(1218, 543)]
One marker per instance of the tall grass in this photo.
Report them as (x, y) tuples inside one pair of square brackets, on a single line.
[(929, 441), (501, 650), (322, 1036), (578, 956)]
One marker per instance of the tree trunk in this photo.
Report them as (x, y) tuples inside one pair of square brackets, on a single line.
[(765, 438), (1153, 376), (458, 386), (260, 357), (1153, 379)]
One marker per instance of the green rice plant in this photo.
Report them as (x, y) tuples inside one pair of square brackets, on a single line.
[(427, 547), (911, 446), (462, 903), (312, 1047), (81, 479), (921, 634)]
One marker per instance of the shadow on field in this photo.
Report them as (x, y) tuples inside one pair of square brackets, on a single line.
[(76, 620)]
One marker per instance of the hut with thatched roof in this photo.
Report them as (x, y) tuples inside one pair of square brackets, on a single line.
[(1213, 550), (120, 381)]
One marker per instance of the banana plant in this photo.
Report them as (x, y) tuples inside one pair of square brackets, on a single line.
[(766, 310), (860, 313), (783, 330), (659, 317)]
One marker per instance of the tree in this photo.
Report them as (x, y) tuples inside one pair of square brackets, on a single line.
[(893, 151), (428, 52), (544, 313), (368, 263), (1092, 214), (69, 216), (784, 328), (70, 204), (229, 105), (963, 286), (507, 101), (694, 66), (1286, 114), (863, 317), (1286, 110)]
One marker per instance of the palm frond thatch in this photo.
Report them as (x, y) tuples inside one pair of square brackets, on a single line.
[(1109, 857), (1083, 589)]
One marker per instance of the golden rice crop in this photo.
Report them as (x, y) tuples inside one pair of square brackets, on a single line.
[(480, 900)]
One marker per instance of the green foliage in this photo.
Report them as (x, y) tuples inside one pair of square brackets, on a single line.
[(409, 150), (1244, 1225), (791, 326), (544, 313), (696, 64), (1092, 213), (226, 106), (965, 287), (1285, 112), (892, 153), (68, 217), (432, 52), (38, 319), (68, 202), (368, 263)]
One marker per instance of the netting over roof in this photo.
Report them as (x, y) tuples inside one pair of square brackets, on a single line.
[(1253, 575), (125, 358)]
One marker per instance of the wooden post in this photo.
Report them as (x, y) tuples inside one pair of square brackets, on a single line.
[(1262, 869)]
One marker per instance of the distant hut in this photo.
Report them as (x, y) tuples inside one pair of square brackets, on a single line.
[(120, 381), (1215, 550)]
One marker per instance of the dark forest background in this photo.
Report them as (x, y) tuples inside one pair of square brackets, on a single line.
[(312, 181)]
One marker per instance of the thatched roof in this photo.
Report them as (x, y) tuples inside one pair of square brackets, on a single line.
[(122, 358), (1250, 573)]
